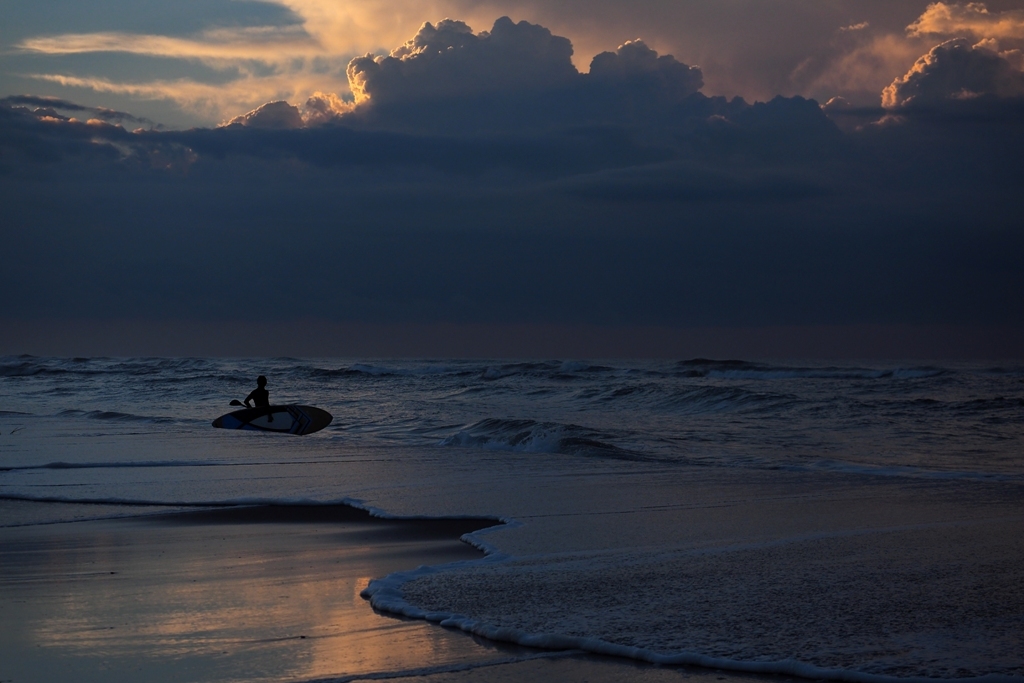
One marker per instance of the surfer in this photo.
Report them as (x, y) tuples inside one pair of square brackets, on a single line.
[(259, 396)]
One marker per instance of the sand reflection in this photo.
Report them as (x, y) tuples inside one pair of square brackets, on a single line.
[(215, 601)]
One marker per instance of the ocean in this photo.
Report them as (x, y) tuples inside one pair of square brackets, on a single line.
[(854, 521)]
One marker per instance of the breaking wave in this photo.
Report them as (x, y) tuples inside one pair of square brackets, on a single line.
[(530, 436)]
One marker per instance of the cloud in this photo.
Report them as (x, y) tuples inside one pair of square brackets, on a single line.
[(262, 43), (218, 102), (744, 47), (515, 77), (636, 65), (449, 59), (51, 105), (319, 108), (260, 62), (865, 59), (688, 183), (43, 135), (276, 115), (485, 178), (972, 19), (702, 212), (253, 65), (516, 89), (954, 71)]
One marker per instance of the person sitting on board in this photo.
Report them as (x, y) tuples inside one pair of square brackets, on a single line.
[(259, 396)]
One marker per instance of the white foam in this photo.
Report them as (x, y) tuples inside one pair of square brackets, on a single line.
[(386, 595)]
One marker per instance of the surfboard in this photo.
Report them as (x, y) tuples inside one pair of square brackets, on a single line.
[(289, 419)]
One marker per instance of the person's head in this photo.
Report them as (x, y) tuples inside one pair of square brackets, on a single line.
[(261, 381)]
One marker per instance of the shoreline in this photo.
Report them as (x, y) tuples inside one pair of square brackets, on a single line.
[(202, 595), (297, 592)]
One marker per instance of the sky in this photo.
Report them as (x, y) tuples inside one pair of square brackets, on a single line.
[(755, 178)]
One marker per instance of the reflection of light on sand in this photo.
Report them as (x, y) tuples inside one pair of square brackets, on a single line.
[(262, 600)]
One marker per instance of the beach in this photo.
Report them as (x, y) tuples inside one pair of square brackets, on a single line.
[(252, 594), (479, 521)]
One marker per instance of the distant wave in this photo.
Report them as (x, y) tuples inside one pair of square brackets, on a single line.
[(691, 399), (378, 370), (1016, 371), (530, 436), (738, 369), (551, 369), (30, 366), (554, 369), (28, 369), (113, 415), (493, 372)]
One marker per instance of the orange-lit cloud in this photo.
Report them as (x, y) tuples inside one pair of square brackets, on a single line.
[(264, 43), (328, 30), (972, 19), (743, 47), (265, 63), (374, 25), (866, 61), (954, 70), (217, 101), (867, 65), (302, 59)]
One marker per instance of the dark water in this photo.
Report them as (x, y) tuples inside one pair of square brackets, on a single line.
[(926, 420)]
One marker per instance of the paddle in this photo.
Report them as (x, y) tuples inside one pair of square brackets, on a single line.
[(236, 402)]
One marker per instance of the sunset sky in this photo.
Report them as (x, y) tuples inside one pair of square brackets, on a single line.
[(655, 177)]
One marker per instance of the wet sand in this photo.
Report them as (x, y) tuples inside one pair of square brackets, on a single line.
[(224, 595), (251, 594)]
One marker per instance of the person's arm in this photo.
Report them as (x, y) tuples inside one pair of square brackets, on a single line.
[(248, 398)]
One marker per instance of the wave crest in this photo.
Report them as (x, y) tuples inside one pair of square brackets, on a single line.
[(740, 369), (531, 436), (113, 415)]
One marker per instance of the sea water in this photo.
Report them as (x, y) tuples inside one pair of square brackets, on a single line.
[(843, 521)]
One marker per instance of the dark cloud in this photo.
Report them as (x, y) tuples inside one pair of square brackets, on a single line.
[(517, 77), (634, 65), (850, 117), (38, 101), (687, 183), (44, 136), (52, 105), (450, 60), (621, 197)]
